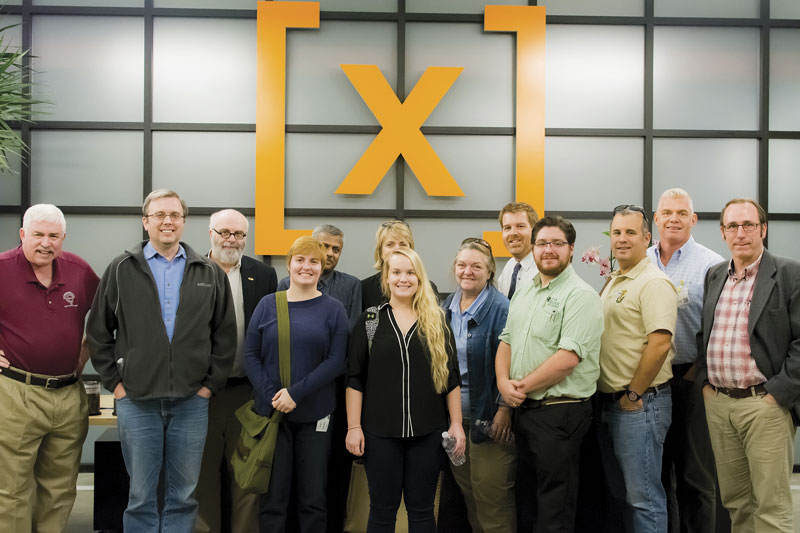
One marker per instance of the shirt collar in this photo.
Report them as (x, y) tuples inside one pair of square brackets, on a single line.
[(150, 251), (558, 280), (635, 271), (325, 279), (678, 254), (527, 261), (474, 307), (750, 270)]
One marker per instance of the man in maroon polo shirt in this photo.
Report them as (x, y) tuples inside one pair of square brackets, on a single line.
[(46, 294)]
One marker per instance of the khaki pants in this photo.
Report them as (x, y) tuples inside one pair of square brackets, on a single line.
[(223, 435), (487, 481), (41, 438), (753, 442)]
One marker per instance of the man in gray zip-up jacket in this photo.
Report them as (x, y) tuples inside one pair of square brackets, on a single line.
[(162, 333)]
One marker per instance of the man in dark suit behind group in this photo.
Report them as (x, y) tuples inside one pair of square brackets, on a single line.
[(223, 506), (749, 366)]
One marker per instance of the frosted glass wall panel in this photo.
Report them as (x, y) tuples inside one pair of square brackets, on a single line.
[(208, 4), (86, 167), (456, 6), (784, 79), (632, 8), (593, 76), (325, 5), (99, 3), (707, 8), (705, 78), (712, 171), (318, 91), (12, 37), (784, 9), (204, 70), (589, 234), (100, 238), (10, 182), (317, 164), (206, 168), (195, 234), (707, 233), (784, 175), (783, 238), (92, 68), (357, 5), (592, 174), (483, 94), (483, 166), (9, 231)]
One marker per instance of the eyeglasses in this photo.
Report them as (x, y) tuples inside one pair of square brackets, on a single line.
[(161, 216), (476, 240), (748, 227), (393, 223), (238, 235), (556, 245), (630, 207)]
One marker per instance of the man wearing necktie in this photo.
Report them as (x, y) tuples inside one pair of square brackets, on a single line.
[(516, 221)]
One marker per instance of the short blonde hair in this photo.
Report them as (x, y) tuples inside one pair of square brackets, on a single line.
[(306, 245), (396, 228)]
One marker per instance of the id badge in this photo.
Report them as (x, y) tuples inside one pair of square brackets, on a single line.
[(322, 424), (683, 295)]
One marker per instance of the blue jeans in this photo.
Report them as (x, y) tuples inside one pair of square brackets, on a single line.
[(632, 444), (168, 431)]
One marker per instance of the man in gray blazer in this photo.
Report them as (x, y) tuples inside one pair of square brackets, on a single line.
[(749, 367)]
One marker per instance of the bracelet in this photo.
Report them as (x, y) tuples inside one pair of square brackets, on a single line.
[(353, 427)]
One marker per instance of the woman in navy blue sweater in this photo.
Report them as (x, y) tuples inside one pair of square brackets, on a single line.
[(319, 330)]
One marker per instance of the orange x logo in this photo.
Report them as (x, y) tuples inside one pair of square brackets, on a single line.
[(401, 133)]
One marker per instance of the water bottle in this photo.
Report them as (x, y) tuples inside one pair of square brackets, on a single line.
[(487, 428), (449, 445)]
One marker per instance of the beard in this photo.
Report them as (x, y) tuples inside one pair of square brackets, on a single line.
[(228, 256)]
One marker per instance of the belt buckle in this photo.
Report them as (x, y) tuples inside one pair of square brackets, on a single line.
[(55, 382)]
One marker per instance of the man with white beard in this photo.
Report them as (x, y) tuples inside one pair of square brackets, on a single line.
[(250, 281)]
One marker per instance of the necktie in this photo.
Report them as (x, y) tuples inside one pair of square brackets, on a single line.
[(514, 280)]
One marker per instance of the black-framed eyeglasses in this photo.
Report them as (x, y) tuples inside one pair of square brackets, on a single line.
[(631, 207), (238, 235), (748, 227), (556, 245), (477, 240), (160, 215)]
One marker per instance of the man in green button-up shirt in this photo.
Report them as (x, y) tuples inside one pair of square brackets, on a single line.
[(547, 367)]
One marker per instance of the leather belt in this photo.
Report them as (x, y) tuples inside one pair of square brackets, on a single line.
[(535, 404), (749, 392), (614, 396), (48, 382)]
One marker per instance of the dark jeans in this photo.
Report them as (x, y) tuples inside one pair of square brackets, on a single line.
[(410, 467), (300, 463), (688, 472), (551, 437)]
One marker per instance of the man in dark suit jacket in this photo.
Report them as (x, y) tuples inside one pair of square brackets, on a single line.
[(749, 367), (223, 506)]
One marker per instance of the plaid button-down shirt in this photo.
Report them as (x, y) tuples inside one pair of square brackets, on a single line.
[(730, 363)]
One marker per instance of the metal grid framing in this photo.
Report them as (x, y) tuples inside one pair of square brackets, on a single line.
[(649, 21)]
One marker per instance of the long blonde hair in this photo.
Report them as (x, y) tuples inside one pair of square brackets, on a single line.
[(432, 326)]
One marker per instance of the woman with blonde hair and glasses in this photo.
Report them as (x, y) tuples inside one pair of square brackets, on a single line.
[(402, 387), (477, 313), (391, 235)]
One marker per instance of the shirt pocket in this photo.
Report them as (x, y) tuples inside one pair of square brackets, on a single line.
[(546, 325)]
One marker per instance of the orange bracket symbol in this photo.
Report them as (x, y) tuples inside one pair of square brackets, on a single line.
[(401, 133), (529, 24)]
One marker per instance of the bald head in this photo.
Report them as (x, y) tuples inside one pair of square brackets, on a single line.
[(228, 232)]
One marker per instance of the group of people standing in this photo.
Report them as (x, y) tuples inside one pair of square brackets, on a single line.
[(683, 361)]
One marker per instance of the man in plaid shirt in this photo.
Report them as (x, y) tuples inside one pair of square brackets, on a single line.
[(749, 365)]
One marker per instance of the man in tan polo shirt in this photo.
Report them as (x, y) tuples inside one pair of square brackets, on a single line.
[(640, 311)]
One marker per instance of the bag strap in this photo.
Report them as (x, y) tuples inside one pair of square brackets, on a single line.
[(284, 339)]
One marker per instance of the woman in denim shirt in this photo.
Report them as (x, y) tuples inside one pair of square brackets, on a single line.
[(477, 314)]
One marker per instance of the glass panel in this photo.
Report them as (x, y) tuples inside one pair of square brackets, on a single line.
[(706, 78), (784, 168), (783, 238), (784, 9), (707, 8), (204, 70), (483, 94), (325, 5), (317, 164), (608, 173), (357, 5), (9, 231), (632, 8), (100, 238), (318, 90), (784, 79), (594, 76), (707, 233), (12, 37), (91, 68), (86, 167), (10, 182), (207, 4), (196, 235), (589, 234), (206, 168), (457, 6), (483, 166), (704, 168), (100, 3)]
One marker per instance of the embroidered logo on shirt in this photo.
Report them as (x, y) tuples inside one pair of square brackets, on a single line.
[(69, 297), (201, 284), (621, 295)]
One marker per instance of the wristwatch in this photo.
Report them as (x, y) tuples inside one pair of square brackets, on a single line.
[(632, 395)]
